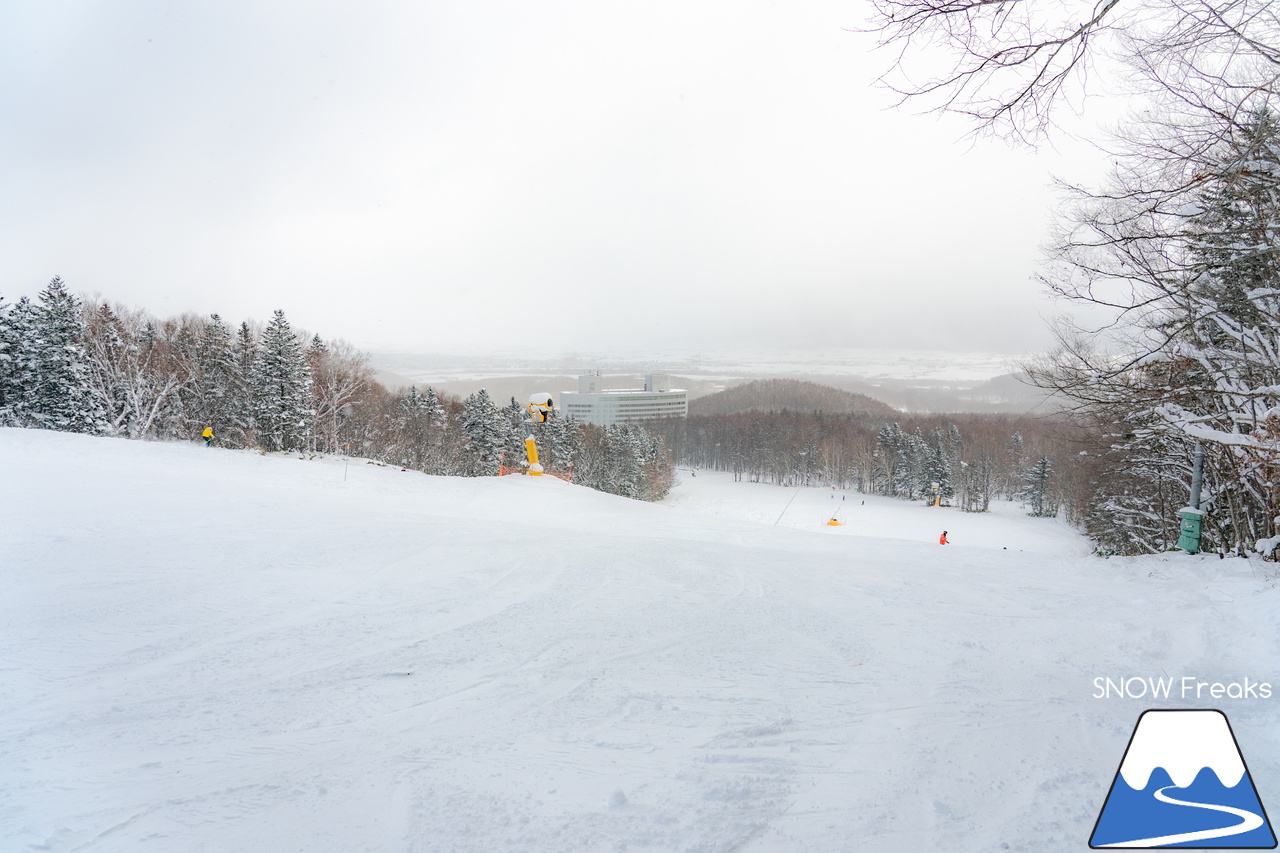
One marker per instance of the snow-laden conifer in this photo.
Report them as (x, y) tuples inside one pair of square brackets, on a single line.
[(56, 390), (7, 347), (560, 440), (19, 331), (281, 388), (431, 406), (244, 355), (517, 427), (485, 433), (1037, 493), (621, 473), (935, 467), (1200, 332), (213, 397)]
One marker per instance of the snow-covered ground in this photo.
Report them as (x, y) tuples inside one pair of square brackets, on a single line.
[(209, 651), (1006, 526)]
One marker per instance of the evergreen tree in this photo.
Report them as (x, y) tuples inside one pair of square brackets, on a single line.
[(952, 447), (281, 389), (560, 440), (1138, 488), (19, 331), (485, 433), (316, 351), (517, 429), (21, 381), (1016, 465), (1227, 359), (621, 469), (211, 400), (419, 425), (1198, 334), (431, 406), (58, 392), (657, 474), (440, 458), (322, 414), (8, 348), (244, 356), (911, 451), (1233, 240), (1037, 493), (888, 442), (935, 468), (409, 430)]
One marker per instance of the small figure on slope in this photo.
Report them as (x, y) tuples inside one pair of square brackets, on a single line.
[(207, 435), (942, 540)]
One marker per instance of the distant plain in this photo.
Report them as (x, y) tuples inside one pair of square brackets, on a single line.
[(908, 380)]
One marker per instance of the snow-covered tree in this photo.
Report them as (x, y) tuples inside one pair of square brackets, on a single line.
[(886, 455), (50, 386), (1188, 253), (431, 407), (622, 461), (19, 329), (977, 482), (1038, 492), (911, 450), (6, 350), (517, 428), (935, 464), (281, 388), (1015, 466), (138, 369), (214, 396), (244, 355), (559, 440), (421, 427), (485, 433), (1139, 484), (340, 378), (410, 431), (656, 471)]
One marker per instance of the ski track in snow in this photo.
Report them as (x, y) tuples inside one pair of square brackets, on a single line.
[(214, 651), (1248, 822)]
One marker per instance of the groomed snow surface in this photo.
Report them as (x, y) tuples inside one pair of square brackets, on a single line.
[(212, 651)]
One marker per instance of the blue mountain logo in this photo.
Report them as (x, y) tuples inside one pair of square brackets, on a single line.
[(1183, 783)]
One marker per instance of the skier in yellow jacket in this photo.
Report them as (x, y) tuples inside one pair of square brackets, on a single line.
[(207, 435)]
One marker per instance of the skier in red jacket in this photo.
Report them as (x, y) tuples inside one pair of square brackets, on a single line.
[(942, 540)]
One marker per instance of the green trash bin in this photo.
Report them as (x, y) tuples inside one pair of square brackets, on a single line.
[(1189, 533)]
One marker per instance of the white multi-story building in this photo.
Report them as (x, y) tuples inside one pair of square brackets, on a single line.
[(592, 403)]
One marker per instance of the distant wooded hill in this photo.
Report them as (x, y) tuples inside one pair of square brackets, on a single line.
[(792, 395)]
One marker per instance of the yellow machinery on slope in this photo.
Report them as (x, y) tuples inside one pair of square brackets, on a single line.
[(540, 409)]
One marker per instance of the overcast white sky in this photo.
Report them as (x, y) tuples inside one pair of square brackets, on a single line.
[(467, 174)]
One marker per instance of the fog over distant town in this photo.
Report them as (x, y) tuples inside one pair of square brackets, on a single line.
[(481, 176)]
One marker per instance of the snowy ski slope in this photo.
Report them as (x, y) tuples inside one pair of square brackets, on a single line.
[(208, 651)]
